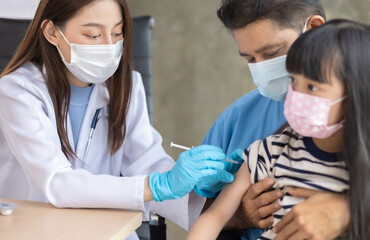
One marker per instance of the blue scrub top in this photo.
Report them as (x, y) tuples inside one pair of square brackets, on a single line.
[(252, 117), (77, 107)]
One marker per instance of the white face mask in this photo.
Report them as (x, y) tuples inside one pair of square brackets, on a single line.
[(93, 63), (271, 76)]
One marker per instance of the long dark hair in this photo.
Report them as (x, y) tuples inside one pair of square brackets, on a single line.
[(37, 49), (342, 47)]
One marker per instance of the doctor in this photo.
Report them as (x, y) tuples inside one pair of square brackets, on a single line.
[(74, 124)]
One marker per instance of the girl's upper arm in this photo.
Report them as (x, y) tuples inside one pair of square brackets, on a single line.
[(231, 195)]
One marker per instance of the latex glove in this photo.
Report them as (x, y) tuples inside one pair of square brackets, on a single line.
[(211, 185), (190, 168), (236, 155)]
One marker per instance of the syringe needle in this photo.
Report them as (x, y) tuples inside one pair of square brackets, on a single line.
[(179, 146), (187, 148)]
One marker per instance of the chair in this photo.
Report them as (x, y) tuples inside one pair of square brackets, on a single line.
[(142, 55), (12, 32)]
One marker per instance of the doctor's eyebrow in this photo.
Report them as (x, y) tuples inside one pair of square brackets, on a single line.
[(92, 24)]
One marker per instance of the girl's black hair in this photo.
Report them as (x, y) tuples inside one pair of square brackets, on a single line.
[(342, 47)]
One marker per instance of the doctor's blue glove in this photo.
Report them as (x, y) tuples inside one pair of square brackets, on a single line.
[(189, 169), (236, 155), (211, 185)]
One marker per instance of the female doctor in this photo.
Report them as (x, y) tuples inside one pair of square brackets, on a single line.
[(74, 124)]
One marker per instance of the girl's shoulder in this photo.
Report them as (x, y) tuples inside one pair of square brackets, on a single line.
[(285, 136), (268, 150), (278, 143)]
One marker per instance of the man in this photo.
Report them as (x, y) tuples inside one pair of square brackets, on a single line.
[(264, 30)]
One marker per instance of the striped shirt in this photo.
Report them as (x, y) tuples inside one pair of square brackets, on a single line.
[(293, 160)]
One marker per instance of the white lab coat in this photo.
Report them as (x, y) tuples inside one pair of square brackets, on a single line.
[(33, 166)]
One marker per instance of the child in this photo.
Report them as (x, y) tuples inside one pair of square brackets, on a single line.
[(327, 141)]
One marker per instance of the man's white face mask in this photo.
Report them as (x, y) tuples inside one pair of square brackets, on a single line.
[(271, 76)]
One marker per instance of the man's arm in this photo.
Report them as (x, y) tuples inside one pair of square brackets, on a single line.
[(321, 216)]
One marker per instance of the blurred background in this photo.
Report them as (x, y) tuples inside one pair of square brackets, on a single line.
[(197, 72)]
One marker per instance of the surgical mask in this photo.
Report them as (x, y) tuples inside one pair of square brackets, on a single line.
[(271, 76), (308, 115), (93, 63)]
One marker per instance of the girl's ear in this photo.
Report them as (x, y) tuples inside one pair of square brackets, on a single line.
[(315, 21), (50, 32)]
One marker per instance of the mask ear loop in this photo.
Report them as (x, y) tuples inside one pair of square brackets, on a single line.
[(63, 35), (305, 25), (339, 100), (64, 39)]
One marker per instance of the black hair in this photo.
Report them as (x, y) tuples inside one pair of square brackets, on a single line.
[(236, 14), (342, 47)]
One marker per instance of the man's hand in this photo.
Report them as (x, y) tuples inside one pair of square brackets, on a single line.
[(257, 207), (321, 216)]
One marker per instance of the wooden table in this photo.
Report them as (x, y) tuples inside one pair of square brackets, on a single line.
[(42, 221)]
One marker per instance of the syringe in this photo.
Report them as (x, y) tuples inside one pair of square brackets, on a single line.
[(187, 148)]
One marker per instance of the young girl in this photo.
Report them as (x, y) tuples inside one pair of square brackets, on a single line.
[(327, 145), (74, 124)]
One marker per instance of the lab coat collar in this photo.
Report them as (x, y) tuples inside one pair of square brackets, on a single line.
[(99, 96)]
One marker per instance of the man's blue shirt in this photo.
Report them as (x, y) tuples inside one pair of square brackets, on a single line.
[(252, 117)]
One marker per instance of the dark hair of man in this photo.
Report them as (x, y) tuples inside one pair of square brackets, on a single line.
[(237, 14), (341, 48)]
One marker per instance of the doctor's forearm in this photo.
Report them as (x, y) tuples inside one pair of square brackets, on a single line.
[(148, 195)]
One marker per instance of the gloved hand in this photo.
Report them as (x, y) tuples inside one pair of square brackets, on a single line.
[(236, 155), (189, 169), (209, 186)]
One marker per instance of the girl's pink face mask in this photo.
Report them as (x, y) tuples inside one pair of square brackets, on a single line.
[(308, 115)]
